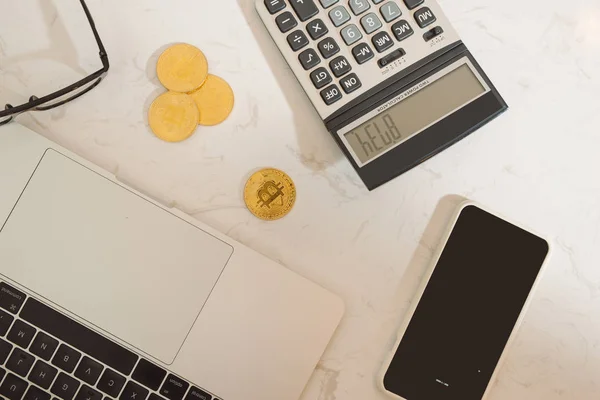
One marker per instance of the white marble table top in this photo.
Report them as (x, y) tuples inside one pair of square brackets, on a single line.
[(538, 164)]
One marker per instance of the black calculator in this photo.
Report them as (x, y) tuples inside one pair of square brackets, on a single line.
[(391, 79)]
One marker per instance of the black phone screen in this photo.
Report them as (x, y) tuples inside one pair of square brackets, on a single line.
[(468, 310)]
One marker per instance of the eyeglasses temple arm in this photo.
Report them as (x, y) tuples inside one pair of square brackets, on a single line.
[(103, 55)]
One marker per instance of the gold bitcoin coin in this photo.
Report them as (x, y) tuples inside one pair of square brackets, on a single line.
[(270, 194), (182, 68), (214, 100), (173, 117)]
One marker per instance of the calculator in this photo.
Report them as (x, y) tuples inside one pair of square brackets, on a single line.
[(391, 79)]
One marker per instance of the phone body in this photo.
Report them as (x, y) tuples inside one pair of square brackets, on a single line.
[(467, 310)]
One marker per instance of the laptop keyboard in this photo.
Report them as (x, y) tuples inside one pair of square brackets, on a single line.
[(46, 355)]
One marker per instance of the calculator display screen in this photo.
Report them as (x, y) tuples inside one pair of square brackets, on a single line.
[(414, 113)]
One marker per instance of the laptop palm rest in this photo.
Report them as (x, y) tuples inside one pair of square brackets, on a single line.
[(109, 256)]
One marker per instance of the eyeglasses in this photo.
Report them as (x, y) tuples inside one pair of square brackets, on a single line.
[(67, 94)]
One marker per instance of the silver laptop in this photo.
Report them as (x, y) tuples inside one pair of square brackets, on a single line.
[(106, 294)]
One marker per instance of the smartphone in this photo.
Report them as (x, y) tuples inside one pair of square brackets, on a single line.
[(468, 309)]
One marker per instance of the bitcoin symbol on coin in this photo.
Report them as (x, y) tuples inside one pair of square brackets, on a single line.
[(270, 194)]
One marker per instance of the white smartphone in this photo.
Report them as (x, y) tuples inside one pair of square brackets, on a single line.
[(467, 310)]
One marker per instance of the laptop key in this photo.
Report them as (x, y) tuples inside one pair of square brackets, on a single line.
[(42, 374), (89, 371), (5, 349), (34, 393), (154, 396), (133, 391), (43, 346), (20, 362), (174, 388), (5, 320), (65, 386), (87, 393), (197, 394), (78, 336), (66, 358), (11, 299), (149, 374), (21, 334), (111, 383), (13, 387)]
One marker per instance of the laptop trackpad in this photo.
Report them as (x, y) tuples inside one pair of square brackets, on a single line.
[(109, 256)]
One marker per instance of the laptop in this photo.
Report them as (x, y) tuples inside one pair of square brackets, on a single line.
[(107, 294)]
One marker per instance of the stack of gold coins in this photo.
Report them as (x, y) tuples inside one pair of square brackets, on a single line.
[(194, 96)]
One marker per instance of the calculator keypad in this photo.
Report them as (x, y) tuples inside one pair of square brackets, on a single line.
[(382, 41), (349, 34), (390, 11), (274, 6), (286, 22), (320, 77), (362, 53), (350, 83), (305, 9), (297, 40), (359, 6), (402, 30), (424, 17), (328, 3), (340, 66), (412, 4), (370, 23), (339, 16), (328, 47), (331, 94), (309, 59), (317, 29)]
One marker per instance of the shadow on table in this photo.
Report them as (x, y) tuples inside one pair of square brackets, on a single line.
[(318, 150), (420, 263)]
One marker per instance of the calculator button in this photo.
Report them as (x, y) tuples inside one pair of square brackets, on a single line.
[(362, 53), (316, 29), (351, 34), (274, 6), (437, 31), (328, 3), (297, 40), (339, 16), (350, 83), (328, 47), (393, 56), (340, 66), (309, 59), (424, 17), (305, 9), (382, 41), (370, 23), (359, 6), (411, 4), (320, 77), (402, 30), (390, 11), (377, 1), (331, 94), (286, 22)]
